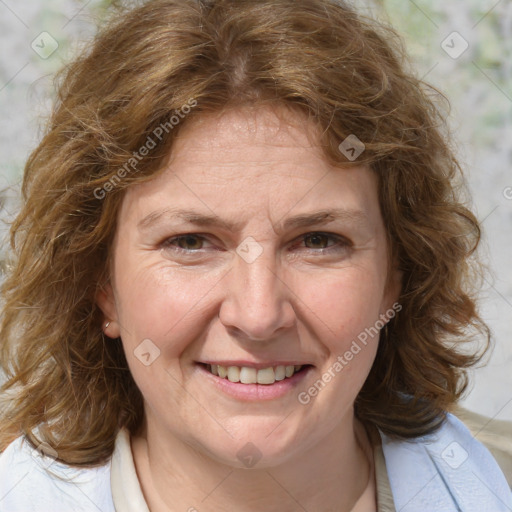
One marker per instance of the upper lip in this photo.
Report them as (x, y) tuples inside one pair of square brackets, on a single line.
[(253, 364)]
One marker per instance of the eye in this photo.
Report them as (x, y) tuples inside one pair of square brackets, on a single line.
[(317, 241), (188, 242), (324, 242)]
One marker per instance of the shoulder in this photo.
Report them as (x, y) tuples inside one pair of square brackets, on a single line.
[(494, 434), (449, 470), (30, 481)]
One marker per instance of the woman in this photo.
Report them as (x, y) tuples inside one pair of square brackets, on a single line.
[(242, 276)]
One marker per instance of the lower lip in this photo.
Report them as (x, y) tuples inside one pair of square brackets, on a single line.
[(254, 392)]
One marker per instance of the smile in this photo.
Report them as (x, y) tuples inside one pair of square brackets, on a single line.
[(249, 375), (253, 381)]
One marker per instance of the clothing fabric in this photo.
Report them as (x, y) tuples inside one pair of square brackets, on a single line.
[(449, 471), (128, 496), (30, 482), (494, 434)]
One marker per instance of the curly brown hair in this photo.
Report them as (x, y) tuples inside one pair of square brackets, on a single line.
[(69, 386)]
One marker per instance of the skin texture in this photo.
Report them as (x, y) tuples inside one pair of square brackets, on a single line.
[(303, 299)]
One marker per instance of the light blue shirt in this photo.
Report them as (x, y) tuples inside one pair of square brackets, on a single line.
[(448, 471)]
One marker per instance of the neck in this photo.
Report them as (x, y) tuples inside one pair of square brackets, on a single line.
[(332, 475)]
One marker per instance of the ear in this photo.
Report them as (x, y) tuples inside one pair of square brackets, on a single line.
[(106, 302)]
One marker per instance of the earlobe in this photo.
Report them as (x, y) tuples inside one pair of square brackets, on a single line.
[(106, 302)]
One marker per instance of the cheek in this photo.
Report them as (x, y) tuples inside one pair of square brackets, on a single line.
[(171, 309), (342, 306), (162, 304)]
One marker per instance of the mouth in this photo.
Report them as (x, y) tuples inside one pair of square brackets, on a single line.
[(247, 381), (252, 375)]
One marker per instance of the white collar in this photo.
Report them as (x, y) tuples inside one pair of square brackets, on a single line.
[(126, 492), (422, 472)]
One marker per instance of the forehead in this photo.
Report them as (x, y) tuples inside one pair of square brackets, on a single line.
[(275, 125), (252, 158), (256, 135)]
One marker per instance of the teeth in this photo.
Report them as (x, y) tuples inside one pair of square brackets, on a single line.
[(247, 375), (234, 374), (266, 376), (280, 373)]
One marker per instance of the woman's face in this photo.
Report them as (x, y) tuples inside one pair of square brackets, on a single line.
[(249, 251)]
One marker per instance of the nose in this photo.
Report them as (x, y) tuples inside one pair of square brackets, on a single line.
[(257, 301)]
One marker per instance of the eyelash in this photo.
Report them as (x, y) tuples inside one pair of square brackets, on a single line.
[(340, 243)]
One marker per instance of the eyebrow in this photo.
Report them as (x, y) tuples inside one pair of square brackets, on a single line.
[(212, 220)]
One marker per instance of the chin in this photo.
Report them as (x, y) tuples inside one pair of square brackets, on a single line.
[(254, 449)]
